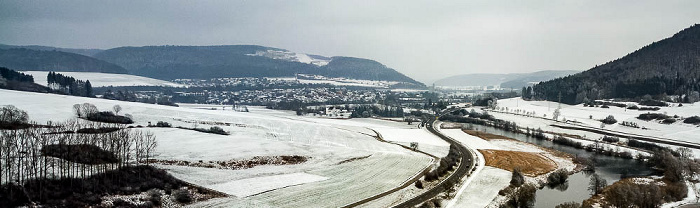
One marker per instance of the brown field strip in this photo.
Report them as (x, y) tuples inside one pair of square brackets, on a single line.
[(531, 164)]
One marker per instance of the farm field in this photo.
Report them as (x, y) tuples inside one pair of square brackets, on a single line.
[(326, 142), (578, 113), (98, 79), (484, 188)]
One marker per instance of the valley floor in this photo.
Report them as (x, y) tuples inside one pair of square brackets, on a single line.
[(347, 162)]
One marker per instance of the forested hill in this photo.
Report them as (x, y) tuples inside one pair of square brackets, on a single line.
[(512, 80), (85, 52), (670, 66), (172, 62), (23, 59), (358, 68)]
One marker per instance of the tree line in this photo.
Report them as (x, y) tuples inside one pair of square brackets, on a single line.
[(69, 85), (10, 74), (56, 151)]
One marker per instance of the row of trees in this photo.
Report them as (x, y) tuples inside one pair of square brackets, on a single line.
[(90, 112), (25, 153), (364, 111), (131, 96), (69, 85), (10, 74)]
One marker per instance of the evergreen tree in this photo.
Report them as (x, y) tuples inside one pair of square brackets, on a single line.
[(88, 89)]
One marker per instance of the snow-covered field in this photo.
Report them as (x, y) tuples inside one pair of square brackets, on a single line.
[(590, 116), (105, 79), (578, 113), (484, 188), (251, 186), (421, 136), (469, 140), (260, 132)]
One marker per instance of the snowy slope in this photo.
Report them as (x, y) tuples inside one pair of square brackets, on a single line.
[(105, 79), (260, 132), (292, 56)]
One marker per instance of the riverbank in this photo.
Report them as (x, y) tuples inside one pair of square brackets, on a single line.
[(502, 156)]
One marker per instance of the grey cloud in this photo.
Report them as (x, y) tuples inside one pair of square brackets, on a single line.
[(426, 40)]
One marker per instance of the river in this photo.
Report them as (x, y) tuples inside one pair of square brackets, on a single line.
[(610, 168)]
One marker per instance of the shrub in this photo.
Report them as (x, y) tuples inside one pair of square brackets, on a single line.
[(675, 191), (569, 205), (430, 176), (517, 179), (568, 142), (80, 153), (644, 145), (652, 116), (155, 197), (96, 130), (692, 120), (649, 108), (669, 121), (611, 139), (217, 130), (557, 177), (624, 194), (630, 124), (653, 103), (609, 120), (419, 184), (182, 196), (625, 154), (108, 117), (522, 197), (427, 204), (163, 124)]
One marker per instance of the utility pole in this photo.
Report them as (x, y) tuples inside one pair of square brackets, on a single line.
[(559, 100)]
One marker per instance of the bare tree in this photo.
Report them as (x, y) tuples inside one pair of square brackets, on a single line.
[(76, 110), (88, 109), (12, 114), (116, 109), (517, 179), (597, 184)]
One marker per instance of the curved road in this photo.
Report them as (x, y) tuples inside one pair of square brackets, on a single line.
[(466, 164)]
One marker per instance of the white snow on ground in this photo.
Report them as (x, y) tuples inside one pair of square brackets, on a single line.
[(250, 186), (469, 140), (678, 130), (104, 79), (515, 146), (421, 136), (691, 198), (260, 132), (483, 189)]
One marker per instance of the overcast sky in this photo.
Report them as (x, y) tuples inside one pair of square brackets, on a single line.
[(426, 40)]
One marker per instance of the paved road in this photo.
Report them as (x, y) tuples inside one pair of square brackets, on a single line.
[(464, 167)]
